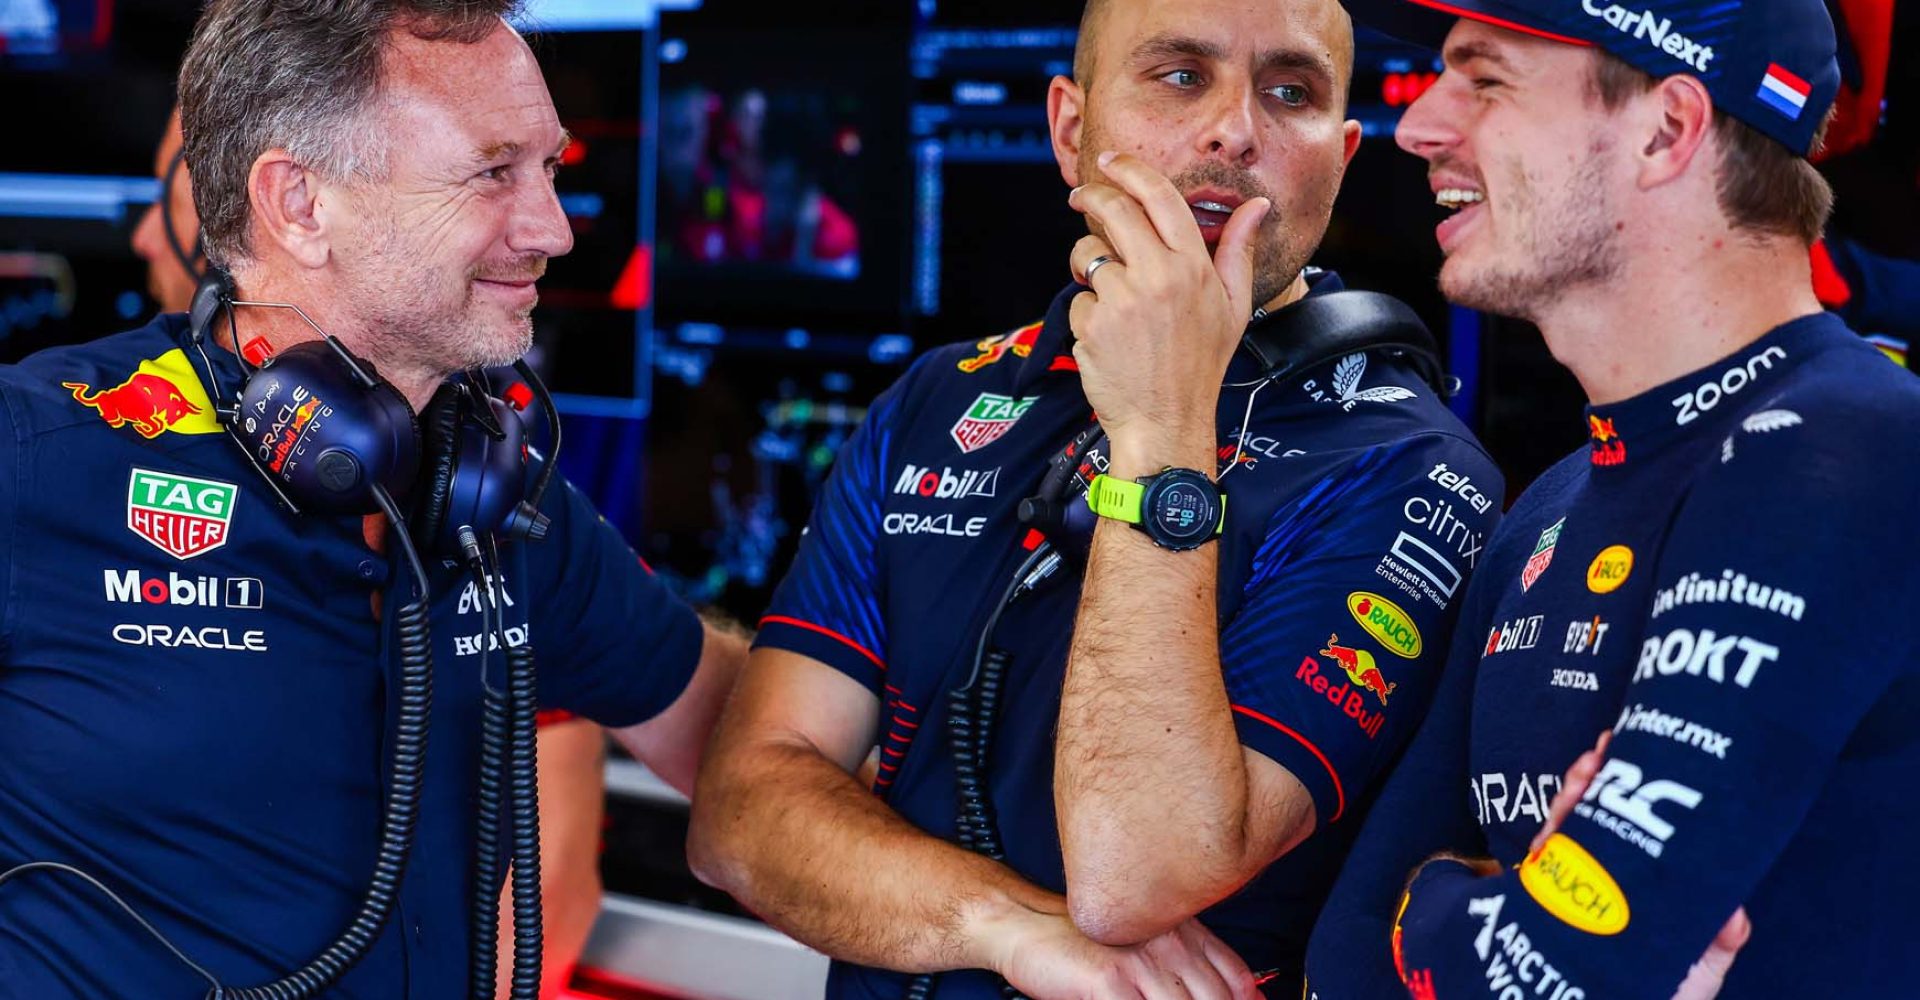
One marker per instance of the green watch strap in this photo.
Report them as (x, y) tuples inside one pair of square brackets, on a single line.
[(1116, 498)]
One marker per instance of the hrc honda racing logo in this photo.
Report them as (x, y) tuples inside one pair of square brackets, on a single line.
[(1623, 801)]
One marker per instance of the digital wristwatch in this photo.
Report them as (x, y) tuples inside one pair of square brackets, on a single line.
[(1179, 509)]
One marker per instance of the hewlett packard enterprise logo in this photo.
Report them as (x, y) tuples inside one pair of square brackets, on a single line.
[(1654, 30)]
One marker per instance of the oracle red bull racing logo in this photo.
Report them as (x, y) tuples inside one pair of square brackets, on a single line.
[(162, 394), (1363, 674), (1019, 343)]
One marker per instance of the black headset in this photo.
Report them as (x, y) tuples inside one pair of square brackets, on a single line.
[(324, 428), (1286, 342)]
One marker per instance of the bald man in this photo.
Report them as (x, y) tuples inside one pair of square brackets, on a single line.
[(1127, 771)]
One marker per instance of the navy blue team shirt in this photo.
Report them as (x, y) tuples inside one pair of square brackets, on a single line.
[(194, 692), (1356, 510), (1724, 579)]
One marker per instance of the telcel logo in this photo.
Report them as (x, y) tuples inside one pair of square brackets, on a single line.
[(1655, 31), (1571, 884), (124, 586)]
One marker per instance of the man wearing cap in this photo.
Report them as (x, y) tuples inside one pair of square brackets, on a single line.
[(1710, 581)]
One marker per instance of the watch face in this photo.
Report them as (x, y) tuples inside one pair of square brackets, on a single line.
[(1183, 509)]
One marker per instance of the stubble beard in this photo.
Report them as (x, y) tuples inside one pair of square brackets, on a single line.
[(1565, 243)]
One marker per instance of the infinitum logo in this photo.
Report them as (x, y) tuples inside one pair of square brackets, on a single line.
[(1654, 30)]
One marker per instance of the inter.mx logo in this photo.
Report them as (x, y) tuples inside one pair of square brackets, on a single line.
[(182, 516)]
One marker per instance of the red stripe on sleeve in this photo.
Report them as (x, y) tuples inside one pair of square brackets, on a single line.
[(1339, 793), (829, 633)]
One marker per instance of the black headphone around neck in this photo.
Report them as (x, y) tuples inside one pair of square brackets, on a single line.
[(1287, 342), (325, 430)]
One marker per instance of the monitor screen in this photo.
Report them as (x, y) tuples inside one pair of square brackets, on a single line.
[(780, 169)]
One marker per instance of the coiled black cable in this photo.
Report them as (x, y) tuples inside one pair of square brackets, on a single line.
[(484, 909), (524, 782), (973, 709), (508, 752), (403, 797)]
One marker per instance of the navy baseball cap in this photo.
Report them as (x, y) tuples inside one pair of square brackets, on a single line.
[(1769, 63)]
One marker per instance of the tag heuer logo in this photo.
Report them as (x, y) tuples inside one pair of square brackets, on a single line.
[(988, 419), (1542, 555), (181, 515)]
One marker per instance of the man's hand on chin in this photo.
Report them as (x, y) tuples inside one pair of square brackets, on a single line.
[(1155, 335)]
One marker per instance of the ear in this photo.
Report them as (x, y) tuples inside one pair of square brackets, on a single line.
[(1066, 106), (285, 198), (1678, 114), (1350, 134)]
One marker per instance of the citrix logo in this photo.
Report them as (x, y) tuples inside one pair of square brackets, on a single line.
[(1654, 30)]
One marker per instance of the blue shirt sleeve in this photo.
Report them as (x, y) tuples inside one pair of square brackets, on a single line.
[(615, 644), (1423, 810), (828, 606), (12, 473), (1765, 649), (1329, 668)]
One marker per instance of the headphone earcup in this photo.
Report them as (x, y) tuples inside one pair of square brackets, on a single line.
[(439, 442), (323, 436), (476, 468)]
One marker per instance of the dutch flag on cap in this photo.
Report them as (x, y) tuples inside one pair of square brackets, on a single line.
[(1784, 92)]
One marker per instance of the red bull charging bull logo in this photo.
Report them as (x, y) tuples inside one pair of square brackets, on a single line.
[(162, 395), (1608, 448), (992, 349), (1362, 674)]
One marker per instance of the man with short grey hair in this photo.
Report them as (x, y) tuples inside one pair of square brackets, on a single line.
[(199, 686)]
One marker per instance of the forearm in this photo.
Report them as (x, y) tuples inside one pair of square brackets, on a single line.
[(671, 743), (795, 839), (1146, 731)]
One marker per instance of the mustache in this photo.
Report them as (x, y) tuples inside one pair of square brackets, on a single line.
[(1449, 163), (1215, 174), (531, 267)]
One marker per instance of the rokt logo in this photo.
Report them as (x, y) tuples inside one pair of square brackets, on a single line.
[(1685, 651), (124, 586)]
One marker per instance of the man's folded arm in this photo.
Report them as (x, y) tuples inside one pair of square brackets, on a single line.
[(780, 822), (1190, 758)]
